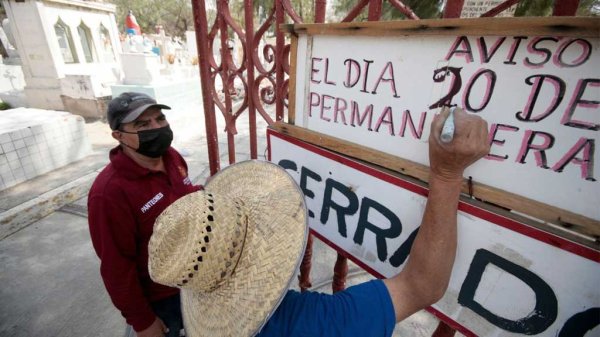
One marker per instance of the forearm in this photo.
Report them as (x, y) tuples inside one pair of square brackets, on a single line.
[(425, 277), (433, 252)]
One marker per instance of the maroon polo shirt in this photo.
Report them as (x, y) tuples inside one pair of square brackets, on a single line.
[(123, 203)]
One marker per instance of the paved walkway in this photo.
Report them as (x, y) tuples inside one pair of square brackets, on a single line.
[(48, 270)]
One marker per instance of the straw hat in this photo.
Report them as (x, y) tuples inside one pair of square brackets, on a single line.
[(232, 249)]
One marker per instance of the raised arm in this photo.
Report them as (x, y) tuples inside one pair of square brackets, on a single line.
[(424, 279)]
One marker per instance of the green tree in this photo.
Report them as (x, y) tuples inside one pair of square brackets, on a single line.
[(424, 9), (546, 7), (342, 7), (534, 8), (262, 8), (589, 8), (174, 15)]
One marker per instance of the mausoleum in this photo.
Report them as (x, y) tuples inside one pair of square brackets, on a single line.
[(69, 51)]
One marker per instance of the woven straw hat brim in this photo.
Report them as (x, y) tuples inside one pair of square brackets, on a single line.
[(242, 305)]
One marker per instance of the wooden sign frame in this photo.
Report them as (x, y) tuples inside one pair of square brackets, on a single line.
[(575, 226)]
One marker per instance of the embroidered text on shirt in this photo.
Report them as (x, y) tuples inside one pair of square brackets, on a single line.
[(152, 202)]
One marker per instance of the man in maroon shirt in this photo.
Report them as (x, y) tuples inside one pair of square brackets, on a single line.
[(145, 175)]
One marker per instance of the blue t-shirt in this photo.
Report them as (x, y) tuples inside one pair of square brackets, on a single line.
[(364, 310)]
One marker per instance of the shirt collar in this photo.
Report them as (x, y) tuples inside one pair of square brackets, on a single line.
[(128, 167)]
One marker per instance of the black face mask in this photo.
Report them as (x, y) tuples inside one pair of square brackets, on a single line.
[(154, 142)]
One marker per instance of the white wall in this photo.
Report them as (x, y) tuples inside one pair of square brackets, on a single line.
[(46, 74), (11, 78)]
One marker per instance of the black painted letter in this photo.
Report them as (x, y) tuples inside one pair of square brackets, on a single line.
[(304, 175), (581, 323), (546, 305), (341, 210), (381, 234)]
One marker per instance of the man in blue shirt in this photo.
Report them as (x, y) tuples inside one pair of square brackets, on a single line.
[(233, 250)]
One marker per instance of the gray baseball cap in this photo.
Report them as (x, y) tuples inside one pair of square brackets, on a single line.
[(128, 106)]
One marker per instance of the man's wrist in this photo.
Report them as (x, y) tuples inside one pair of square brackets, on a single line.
[(449, 186), (451, 179)]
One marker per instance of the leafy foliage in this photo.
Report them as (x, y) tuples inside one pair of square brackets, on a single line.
[(546, 7), (424, 9), (5, 106), (262, 8), (534, 8), (174, 15)]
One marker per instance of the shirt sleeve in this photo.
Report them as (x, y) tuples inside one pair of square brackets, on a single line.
[(113, 234), (364, 310)]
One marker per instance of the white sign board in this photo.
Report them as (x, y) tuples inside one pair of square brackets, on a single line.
[(540, 95), (475, 8), (509, 279)]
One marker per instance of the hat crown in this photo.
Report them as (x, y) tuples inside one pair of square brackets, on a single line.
[(198, 247), (121, 106), (125, 99)]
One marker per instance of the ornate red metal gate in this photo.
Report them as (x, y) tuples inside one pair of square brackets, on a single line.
[(264, 86)]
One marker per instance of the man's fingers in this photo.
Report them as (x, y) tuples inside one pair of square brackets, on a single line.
[(459, 112), (463, 124), (471, 130), (477, 139), (484, 137), (438, 121), (444, 112)]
